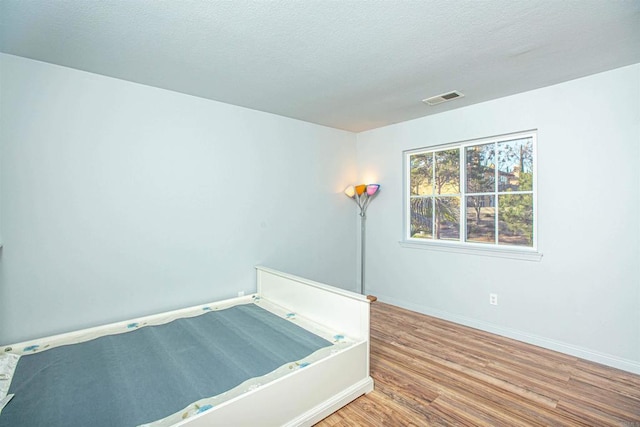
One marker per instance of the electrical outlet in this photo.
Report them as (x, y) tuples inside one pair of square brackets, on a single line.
[(493, 299), (240, 293)]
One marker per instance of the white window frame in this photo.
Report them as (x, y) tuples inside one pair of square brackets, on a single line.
[(532, 253)]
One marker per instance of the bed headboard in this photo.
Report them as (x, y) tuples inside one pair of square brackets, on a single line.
[(336, 308)]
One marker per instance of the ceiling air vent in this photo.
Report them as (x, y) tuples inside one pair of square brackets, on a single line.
[(435, 100)]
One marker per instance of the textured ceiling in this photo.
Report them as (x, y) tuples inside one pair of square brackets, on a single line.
[(352, 65)]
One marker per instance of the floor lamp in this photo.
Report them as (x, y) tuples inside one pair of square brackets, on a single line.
[(362, 195)]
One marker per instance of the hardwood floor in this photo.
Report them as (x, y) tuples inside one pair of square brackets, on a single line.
[(430, 372)]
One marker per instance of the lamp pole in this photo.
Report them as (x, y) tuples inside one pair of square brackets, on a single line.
[(362, 195), (363, 218)]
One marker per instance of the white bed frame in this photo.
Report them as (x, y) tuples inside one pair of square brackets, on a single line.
[(306, 395)]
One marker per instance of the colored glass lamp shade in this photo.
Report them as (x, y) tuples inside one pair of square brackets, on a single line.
[(360, 189), (350, 191), (372, 189)]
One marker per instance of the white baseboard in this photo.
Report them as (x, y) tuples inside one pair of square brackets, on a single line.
[(581, 352)]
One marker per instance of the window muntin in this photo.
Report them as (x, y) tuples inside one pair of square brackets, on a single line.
[(476, 193)]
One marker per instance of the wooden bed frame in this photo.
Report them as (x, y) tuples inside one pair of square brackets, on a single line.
[(305, 396)]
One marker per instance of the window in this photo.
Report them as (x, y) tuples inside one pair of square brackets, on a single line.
[(476, 194)]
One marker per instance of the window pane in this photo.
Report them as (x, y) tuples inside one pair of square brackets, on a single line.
[(422, 217), (481, 215), (481, 173), (421, 180), (447, 226), (515, 216), (515, 165), (447, 179)]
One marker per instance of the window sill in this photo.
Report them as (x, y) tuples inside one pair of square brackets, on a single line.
[(521, 254)]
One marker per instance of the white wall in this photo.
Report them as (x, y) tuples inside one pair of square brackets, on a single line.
[(120, 199), (583, 298)]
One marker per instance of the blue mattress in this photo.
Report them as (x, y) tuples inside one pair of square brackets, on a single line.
[(149, 373)]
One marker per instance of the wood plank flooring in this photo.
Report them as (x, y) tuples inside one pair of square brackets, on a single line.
[(430, 372)]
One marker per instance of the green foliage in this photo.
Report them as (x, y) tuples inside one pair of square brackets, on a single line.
[(421, 173), (480, 169), (422, 215), (526, 181), (516, 217), (447, 179)]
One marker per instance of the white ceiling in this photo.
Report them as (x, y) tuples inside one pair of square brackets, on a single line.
[(353, 65)]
